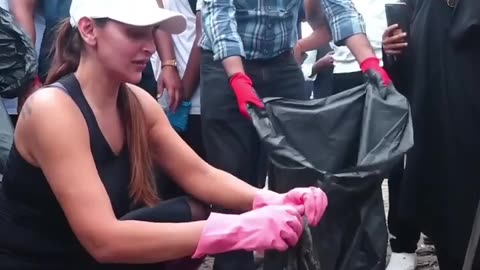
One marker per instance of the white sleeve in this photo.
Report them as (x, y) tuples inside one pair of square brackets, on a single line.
[(199, 5)]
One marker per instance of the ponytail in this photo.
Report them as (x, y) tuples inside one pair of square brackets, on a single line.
[(68, 47), (143, 189)]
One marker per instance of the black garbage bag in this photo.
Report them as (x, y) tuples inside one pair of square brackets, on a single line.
[(18, 63), (344, 144), (6, 137)]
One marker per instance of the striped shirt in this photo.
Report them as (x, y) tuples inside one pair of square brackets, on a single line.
[(254, 29)]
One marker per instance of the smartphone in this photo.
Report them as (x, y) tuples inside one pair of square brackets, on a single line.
[(398, 13)]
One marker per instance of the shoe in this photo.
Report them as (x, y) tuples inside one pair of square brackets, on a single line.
[(402, 261)]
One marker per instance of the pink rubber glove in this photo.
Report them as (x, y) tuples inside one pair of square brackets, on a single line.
[(314, 201), (271, 227)]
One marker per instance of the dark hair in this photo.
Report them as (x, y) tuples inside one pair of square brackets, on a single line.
[(68, 47)]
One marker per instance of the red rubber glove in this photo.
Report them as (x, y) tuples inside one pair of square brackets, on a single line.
[(374, 64), (243, 88)]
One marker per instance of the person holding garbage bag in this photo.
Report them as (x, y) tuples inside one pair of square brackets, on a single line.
[(78, 191), (346, 144), (248, 54)]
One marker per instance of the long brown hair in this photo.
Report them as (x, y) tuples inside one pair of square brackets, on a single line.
[(68, 47)]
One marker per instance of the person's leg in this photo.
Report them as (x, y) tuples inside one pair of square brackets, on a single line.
[(405, 235), (230, 142), (345, 81), (323, 85), (446, 261), (193, 135), (181, 209)]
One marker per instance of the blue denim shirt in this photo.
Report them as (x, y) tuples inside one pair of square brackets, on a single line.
[(264, 29), (249, 28)]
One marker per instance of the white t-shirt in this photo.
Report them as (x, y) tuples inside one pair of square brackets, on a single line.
[(183, 44), (373, 12), (11, 104)]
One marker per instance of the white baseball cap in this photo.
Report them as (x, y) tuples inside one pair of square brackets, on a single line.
[(137, 13)]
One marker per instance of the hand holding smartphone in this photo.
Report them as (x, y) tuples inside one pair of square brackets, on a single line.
[(398, 13), (395, 37)]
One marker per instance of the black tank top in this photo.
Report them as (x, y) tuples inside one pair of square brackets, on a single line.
[(34, 232)]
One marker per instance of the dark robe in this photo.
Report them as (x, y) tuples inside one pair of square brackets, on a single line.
[(440, 75)]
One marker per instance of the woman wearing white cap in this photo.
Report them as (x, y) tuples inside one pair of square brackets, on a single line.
[(78, 191)]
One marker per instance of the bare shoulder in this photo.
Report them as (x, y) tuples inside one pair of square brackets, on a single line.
[(50, 101), (48, 117)]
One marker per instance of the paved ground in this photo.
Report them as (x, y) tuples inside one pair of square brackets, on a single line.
[(426, 259)]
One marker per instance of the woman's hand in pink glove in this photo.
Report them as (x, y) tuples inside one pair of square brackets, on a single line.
[(271, 227), (314, 201)]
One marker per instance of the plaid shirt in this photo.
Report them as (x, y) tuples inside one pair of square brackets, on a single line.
[(255, 30)]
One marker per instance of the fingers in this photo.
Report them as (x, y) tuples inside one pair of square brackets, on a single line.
[(310, 207), (281, 245), (258, 103), (395, 49), (393, 52), (396, 45), (290, 237), (160, 88), (300, 209), (388, 32), (177, 100), (315, 202), (397, 39), (295, 227), (321, 201), (171, 98)]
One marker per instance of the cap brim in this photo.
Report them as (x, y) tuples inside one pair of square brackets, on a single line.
[(168, 21)]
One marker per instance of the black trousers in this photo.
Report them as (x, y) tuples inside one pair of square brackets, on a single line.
[(345, 81), (405, 234), (231, 142)]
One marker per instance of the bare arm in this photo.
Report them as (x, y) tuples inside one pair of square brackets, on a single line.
[(321, 33), (317, 39), (194, 175), (24, 13), (169, 77), (346, 25), (55, 121), (227, 44), (164, 42), (191, 78), (360, 47)]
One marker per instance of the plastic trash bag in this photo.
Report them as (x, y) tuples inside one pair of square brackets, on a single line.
[(6, 137), (18, 63), (344, 144)]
